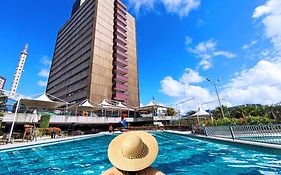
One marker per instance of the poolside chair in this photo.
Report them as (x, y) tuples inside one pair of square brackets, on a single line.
[(4, 139)]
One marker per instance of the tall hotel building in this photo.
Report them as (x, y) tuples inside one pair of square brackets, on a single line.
[(95, 55)]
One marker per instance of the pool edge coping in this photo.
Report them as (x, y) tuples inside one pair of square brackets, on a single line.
[(26, 145)]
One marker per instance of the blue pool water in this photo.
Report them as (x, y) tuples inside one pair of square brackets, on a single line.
[(178, 155)]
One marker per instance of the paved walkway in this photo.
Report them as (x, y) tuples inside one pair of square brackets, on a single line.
[(45, 141)]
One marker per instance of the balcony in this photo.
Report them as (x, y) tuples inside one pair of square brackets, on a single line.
[(120, 54), (120, 17), (120, 11), (121, 62), (120, 33), (121, 78), (118, 24), (124, 30), (120, 87), (121, 70), (120, 20), (121, 5), (120, 40), (120, 14), (122, 47), (119, 96)]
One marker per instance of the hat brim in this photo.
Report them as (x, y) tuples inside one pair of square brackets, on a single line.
[(123, 163)]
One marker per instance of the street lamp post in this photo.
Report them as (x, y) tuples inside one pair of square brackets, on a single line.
[(215, 85), (14, 120), (182, 103)]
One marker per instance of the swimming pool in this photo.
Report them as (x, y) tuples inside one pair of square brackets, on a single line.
[(178, 155)]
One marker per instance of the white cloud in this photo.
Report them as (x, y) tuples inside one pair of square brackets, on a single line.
[(42, 83), (224, 53), (185, 88), (270, 14), (191, 76), (179, 7), (247, 46), (207, 50), (44, 73), (188, 40), (138, 4), (171, 87), (45, 60), (260, 84), (206, 64)]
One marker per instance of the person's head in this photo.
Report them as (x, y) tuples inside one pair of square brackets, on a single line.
[(133, 151)]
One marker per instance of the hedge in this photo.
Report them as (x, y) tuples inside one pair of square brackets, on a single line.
[(242, 121)]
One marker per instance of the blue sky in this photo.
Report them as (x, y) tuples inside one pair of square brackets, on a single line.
[(180, 42)]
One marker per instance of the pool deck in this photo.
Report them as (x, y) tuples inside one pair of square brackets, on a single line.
[(46, 141), (241, 142)]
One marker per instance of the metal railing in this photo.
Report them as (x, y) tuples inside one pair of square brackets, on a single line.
[(257, 133)]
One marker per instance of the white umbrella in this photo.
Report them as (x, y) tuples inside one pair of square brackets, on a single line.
[(34, 117), (43, 102), (120, 105), (201, 113), (84, 106), (104, 103)]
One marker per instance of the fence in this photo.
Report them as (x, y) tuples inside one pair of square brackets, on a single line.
[(258, 133)]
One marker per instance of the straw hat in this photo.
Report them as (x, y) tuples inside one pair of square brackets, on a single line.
[(133, 151)]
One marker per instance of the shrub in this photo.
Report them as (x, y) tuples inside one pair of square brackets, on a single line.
[(47, 131), (40, 132), (259, 120), (45, 120), (226, 121), (240, 121)]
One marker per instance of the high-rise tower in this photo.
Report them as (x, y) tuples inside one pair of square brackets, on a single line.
[(95, 55), (18, 73)]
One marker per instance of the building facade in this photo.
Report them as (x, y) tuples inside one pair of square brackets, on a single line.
[(18, 73), (2, 82), (95, 55)]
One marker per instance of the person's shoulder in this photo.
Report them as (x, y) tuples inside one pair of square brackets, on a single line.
[(112, 171), (151, 171)]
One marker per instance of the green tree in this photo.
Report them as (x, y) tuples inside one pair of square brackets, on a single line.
[(275, 112), (190, 113), (218, 114), (2, 101), (171, 112)]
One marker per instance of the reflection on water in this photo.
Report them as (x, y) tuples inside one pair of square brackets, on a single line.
[(178, 155)]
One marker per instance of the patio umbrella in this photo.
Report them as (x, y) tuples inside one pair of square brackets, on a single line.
[(200, 114), (34, 117), (104, 105), (83, 106), (120, 105), (42, 102)]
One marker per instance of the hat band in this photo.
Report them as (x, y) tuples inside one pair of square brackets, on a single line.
[(144, 147)]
